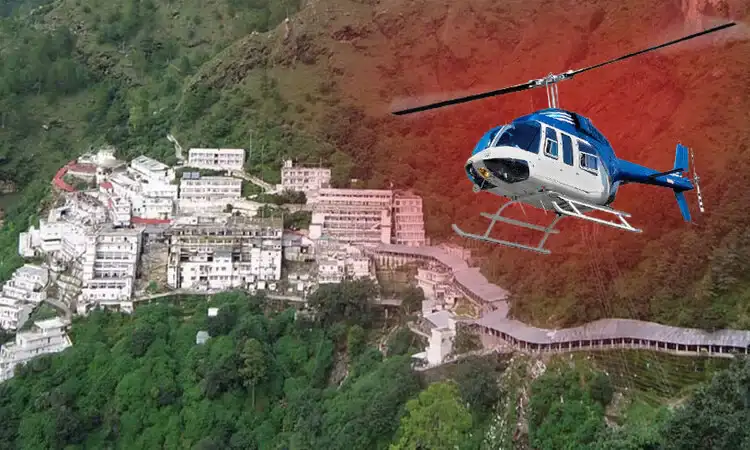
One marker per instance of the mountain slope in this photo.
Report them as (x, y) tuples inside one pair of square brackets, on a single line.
[(321, 86)]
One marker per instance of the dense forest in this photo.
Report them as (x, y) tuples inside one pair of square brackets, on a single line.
[(271, 379)]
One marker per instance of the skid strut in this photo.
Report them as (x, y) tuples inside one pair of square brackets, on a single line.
[(570, 207), (564, 207), (494, 218)]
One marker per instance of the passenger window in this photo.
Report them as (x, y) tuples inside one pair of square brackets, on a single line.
[(589, 163), (550, 142), (567, 147)]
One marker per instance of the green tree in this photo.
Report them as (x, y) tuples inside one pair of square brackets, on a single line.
[(717, 414), (436, 419), (477, 380), (253, 368), (465, 341), (412, 299), (355, 341)]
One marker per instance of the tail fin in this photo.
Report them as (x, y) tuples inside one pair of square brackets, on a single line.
[(681, 162)]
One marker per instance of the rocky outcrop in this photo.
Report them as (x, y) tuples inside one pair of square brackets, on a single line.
[(7, 187)]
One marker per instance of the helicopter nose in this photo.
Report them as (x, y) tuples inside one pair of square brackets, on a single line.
[(508, 170)]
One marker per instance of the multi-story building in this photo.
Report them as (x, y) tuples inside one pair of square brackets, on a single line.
[(151, 170), (109, 266), (208, 189), (62, 232), (304, 179), (120, 211), (223, 252), (352, 215), (408, 220), (20, 294), (439, 291), (14, 313), (338, 261), (149, 200), (46, 336), (368, 215), (217, 158)]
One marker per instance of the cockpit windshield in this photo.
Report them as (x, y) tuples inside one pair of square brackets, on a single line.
[(522, 135)]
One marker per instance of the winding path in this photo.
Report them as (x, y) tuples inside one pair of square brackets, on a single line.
[(498, 331)]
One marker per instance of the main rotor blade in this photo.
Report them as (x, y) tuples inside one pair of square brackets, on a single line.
[(554, 78), (507, 90), (666, 44)]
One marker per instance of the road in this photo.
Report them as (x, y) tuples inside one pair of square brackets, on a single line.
[(290, 298)]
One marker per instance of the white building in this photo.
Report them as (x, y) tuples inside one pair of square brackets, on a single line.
[(13, 313), (304, 179), (408, 220), (298, 247), (437, 284), (209, 189), (331, 271), (221, 252), (27, 284), (120, 211), (109, 266), (367, 216), (20, 294), (46, 336), (442, 336), (217, 158), (338, 261), (352, 215), (151, 170), (148, 199), (62, 233)]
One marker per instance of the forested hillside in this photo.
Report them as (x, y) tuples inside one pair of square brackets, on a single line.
[(273, 380), (76, 73)]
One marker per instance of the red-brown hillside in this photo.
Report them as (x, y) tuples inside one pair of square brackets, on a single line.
[(392, 53)]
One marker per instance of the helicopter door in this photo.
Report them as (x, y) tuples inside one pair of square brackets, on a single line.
[(591, 177), (556, 168), (549, 157)]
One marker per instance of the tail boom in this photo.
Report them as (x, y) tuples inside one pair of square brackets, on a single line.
[(628, 172)]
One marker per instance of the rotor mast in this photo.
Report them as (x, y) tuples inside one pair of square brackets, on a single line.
[(550, 85)]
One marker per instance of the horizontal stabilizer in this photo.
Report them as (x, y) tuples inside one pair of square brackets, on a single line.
[(681, 158)]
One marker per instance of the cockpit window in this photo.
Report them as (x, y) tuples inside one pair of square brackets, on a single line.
[(521, 135)]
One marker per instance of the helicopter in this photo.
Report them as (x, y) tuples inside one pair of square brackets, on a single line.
[(558, 161)]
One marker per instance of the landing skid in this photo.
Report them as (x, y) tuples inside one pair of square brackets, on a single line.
[(564, 207), (572, 208)]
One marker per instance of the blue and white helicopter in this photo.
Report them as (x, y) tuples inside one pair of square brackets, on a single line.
[(558, 161)]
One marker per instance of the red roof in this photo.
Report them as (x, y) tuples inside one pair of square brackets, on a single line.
[(58, 180), (85, 168), (144, 221)]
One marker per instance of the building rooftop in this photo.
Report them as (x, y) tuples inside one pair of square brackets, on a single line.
[(50, 324), (440, 319), (614, 329), (468, 277), (150, 163), (221, 150), (32, 270), (222, 221)]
